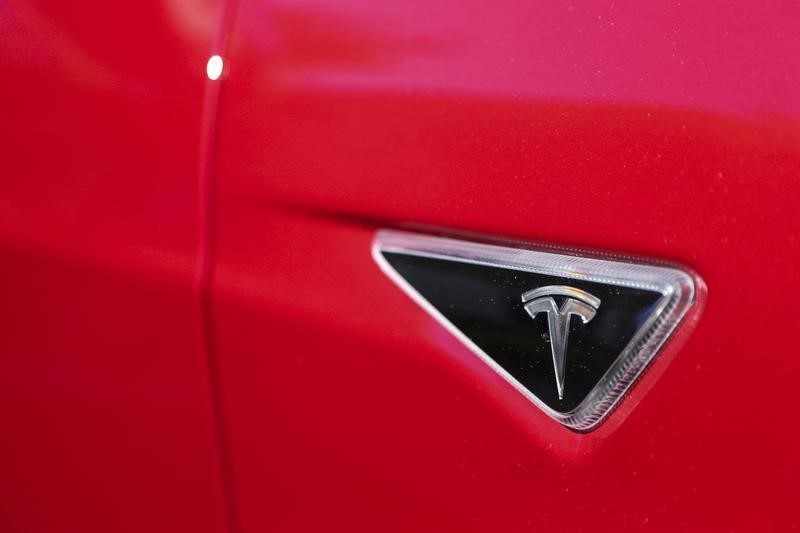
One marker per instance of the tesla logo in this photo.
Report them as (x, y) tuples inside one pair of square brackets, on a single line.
[(578, 302)]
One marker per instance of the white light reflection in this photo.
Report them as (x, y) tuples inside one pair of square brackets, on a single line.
[(215, 67)]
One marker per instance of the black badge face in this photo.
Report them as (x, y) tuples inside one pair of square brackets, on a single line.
[(484, 302), (571, 333)]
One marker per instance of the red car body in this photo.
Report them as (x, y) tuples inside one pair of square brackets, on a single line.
[(194, 336)]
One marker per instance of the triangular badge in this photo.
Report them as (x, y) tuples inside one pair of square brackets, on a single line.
[(570, 331)]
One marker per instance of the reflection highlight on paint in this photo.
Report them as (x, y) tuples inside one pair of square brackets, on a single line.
[(215, 67)]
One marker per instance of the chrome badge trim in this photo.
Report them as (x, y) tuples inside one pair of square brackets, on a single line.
[(677, 289)]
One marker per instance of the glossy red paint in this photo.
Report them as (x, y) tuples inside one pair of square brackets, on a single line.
[(657, 129), (192, 324), (105, 406)]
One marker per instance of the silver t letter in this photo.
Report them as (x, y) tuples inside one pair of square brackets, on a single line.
[(578, 302)]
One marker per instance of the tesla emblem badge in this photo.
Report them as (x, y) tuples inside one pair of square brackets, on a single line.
[(591, 322), (577, 302)]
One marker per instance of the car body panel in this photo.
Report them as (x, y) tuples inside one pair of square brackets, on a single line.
[(196, 337), (662, 131), (105, 404)]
